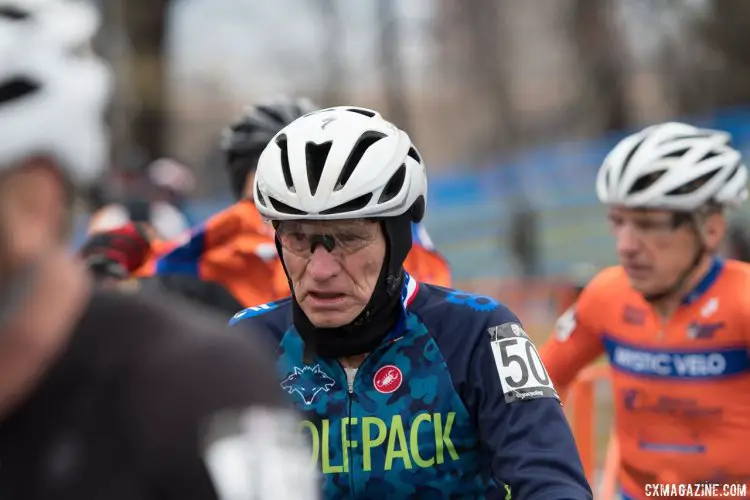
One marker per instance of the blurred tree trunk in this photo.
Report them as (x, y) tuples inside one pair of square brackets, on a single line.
[(146, 26), (482, 19), (725, 33), (602, 59), (112, 44), (333, 58), (473, 47), (708, 64), (394, 84)]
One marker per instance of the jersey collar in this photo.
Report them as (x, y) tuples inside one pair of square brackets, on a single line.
[(408, 294), (717, 264), (409, 290)]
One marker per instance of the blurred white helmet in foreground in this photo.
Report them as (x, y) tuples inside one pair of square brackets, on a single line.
[(673, 166), (53, 89)]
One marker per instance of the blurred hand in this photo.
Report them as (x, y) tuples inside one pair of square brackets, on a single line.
[(117, 253)]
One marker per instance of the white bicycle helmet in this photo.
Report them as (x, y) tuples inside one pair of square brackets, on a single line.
[(53, 89), (673, 166), (340, 163)]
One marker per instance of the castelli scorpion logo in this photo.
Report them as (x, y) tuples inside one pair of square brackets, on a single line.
[(388, 379)]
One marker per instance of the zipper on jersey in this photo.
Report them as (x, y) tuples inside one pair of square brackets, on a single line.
[(351, 373), (350, 378), (350, 381)]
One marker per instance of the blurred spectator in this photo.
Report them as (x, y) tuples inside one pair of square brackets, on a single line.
[(162, 220), (524, 244), (173, 182)]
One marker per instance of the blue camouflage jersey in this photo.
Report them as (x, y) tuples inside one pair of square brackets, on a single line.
[(454, 403)]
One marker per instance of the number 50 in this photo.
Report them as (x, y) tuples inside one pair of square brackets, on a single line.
[(529, 363)]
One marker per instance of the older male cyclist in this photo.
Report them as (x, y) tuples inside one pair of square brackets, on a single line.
[(672, 318), (409, 390)]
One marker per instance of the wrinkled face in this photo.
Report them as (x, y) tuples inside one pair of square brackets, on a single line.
[(333, 265), (654, 250)]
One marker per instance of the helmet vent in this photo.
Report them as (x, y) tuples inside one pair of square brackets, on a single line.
[(364, 112), (394, 186), (629, 157), (693, 186), (13, 13), (413, 153), (646, 181), (350, 206), (284, 208), (676, 154), (273, 114), (316, 156), (709, 155), (259, 196), (364, 143), (281, 142), (17, 88)]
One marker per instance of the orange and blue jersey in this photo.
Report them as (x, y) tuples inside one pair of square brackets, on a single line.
[(681, 386), (235, 248)]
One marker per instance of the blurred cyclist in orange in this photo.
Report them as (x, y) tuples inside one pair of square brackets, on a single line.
[(234, 252), (672, 317)]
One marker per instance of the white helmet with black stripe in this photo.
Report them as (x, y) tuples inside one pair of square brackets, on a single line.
[(340, 163), (673, 166), (346, 163)]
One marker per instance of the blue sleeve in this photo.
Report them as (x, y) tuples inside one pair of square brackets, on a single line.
[(520, 418), (266, 322)]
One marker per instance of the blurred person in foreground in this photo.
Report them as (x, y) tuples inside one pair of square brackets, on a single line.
[(672, 317), (409, 390), (230, 262), (103, 396)]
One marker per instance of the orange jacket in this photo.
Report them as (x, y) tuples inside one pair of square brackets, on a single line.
[(236, 249), (424, 262)]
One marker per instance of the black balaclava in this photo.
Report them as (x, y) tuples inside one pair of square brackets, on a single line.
[(381, 313)]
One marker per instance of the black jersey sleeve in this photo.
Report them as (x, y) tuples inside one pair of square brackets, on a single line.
[(209, 421)]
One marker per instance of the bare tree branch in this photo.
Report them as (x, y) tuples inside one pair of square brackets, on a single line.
[(333, 65)]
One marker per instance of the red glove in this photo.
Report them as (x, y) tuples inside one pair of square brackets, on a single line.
[(117, 253)]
